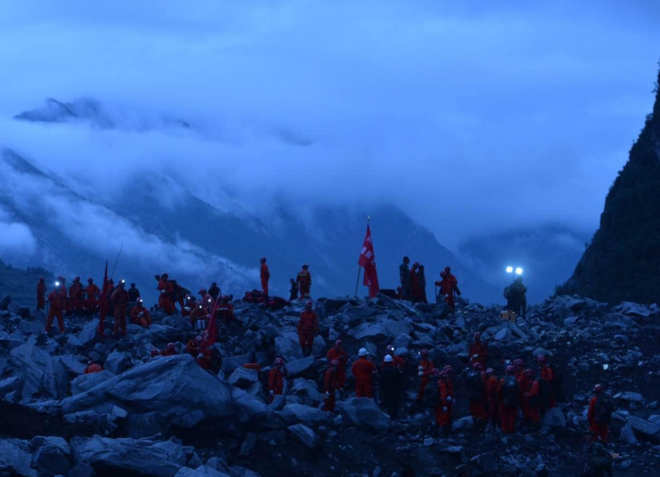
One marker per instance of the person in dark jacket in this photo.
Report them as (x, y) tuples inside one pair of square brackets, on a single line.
[(404, 276), (421, 278), (390, 387), (214, 290), (293, 291)]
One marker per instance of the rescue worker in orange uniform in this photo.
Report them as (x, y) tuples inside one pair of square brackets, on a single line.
[(476, 388), (398, 361), (508, 394), (41, 294), (331, 384), (120, 299), (194, 346), (362, 370), (449, 287), (444, 409), (92, 291), (337, 353), (492, 385), (75, 296), (140, 315), (226, 310), (265, 275), (166, 300), (276, 379), (423, 372), (57, 300), (205, 359), (308, 328), (479, 350), (170, 350), (197, 313), (599, 415), (530, 401), (304, 280)]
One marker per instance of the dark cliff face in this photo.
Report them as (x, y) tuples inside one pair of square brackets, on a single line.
[(623, 261)]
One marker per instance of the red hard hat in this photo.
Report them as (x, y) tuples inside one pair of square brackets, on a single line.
[(518, 362), (510, 370), (477, 366), (443, 274), (171, 345), (390, 347), (308, 303), (443, 374), (416, 264), (477, 335), (424, 352), (198, 338), (339, 343), (334, 362), (447, 269), (435, 372), (490, 371), (139, 299), (598, 389), (279, 361), (263, 259), (541, 358), (154, 352), (529, 372), (90, 280)]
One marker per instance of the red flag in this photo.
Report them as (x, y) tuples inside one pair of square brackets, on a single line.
[(211, 333), (103, 302), (368, 262)]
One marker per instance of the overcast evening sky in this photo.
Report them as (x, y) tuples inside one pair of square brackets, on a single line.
[(472, 116)]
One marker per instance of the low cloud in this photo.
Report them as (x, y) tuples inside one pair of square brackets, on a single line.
[(16, 238)]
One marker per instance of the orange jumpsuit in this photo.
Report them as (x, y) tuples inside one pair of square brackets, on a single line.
[(308, 327), (443, 418), (508, 414), (265, 276), (144, 320), (304, 283), (481, 350), (92, 292), (57, 299), (531, 413), (493, 403), (362, 370), (331, 385), (276, 380), (340, 355), (166, 299), (120, 299), (427, 364), (93, 368), (192, 348), (599, 429), (197, 313)]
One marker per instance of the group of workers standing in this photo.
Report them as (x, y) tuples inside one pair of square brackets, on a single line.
[(413, 284)]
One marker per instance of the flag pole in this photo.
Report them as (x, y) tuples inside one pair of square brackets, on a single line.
[(357, 283)]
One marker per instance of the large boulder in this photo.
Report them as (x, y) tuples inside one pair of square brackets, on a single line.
[(88, 333), (363, 412), (288, 346), (230, 364), (298, 367), (176, 387), (15, 455), (117, 362), (85, 382), (645, 429), (305, 435), (369, 331), (129, 456), (310, 416), (43, 375), (305, 389), (52, 460), (554, 418), (243, 377)]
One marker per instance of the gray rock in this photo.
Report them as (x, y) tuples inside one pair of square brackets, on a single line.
[(243, 377), (82, 470), (634, 309), (248, 444), (115, 456), (175, 386), (30, 327), (4, 303), (311, 416), (288, 346), (570, 321), (628, 434), (319, 347), (306, 389), (463, 424), (402, 341), (363, 412), (146, 425), (117, 362), (200, 472), (51, 459), (37, 442), (305, 435), (397, 328), (9, 385), (630, 396), (85, 382), (88, 333), (369, 331), (230, 364), (298, 367), (16, 456), (41, 374), (503, 334), (645, 429), (554, 418)]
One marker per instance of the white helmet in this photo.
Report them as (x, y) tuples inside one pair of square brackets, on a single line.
[(388, 358), (363, 352)]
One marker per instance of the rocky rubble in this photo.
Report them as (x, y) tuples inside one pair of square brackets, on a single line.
[(165, 416)]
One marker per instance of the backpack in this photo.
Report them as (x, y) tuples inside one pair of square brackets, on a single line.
[(510, 392), (431, 394), (475, 386), (604, 409)]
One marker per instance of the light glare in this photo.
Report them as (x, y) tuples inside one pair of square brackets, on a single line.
[(509, 269)]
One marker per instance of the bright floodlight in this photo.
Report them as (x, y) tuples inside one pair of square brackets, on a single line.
[(509, 269), (57, 284), (519, 271)]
